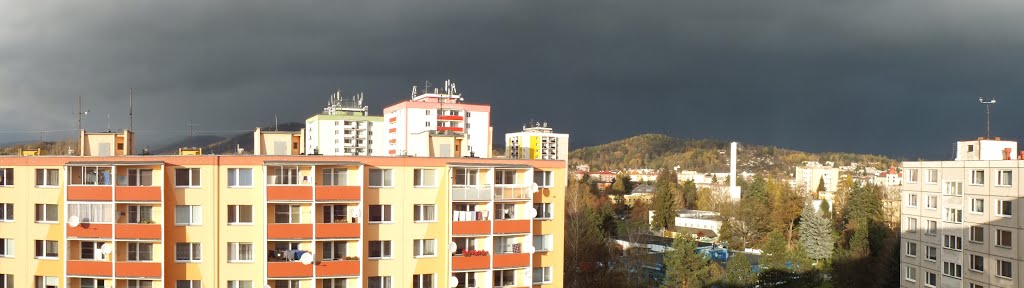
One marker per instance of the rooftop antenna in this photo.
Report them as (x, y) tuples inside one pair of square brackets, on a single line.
[(190, 125), (108, 122), (988, 111), (275, 122), (80, 112), (131, 108)]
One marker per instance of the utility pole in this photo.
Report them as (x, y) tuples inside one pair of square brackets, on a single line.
[(988, 112)]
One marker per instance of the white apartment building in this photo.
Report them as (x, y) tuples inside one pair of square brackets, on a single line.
[(537, 142), (345, 128), (961, 219), (812, 173), (438, 121)]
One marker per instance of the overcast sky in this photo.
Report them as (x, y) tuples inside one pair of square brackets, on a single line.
[(900, 78)]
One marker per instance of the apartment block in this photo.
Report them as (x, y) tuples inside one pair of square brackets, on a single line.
[(537, 142), (280, 221), (437, 123), (345, 128), (961, 219)]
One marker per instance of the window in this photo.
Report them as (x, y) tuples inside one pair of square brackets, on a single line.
[(424, 247), (189, 284), (975, 285), (330, 283), (977, 205), (47, 177), (543, 242), (287, 214), (1004, 178), (977, 177), (1004, 268), (543, 210), (954, 188), (977, 263), (504, 278), (462, 244), (46, 249), (506, 244), (239, 177), (911, 175), (283, 175), (186, 177), (911, 225), (1004, 238), (6, 212), (977, 234), (140, 283), (248, 284), (186, 215), (188, 252), (6, 247), (90, 251), (930, 279), (932, 202), (46, 213), (931, 176), (952, 242), (953, 215), (504, 211), (910, 275), (334, 250), (466, 279), (423, 281), (424, 213), (952, 269), (378, 282), (465, 177), (505, 177), (911, 249), (140, 251), (541, 275), (1004, 208), (287, 284), (424, 178), (543, 178), (137, 177), (91, 283), (239, 252), (931, 253), (335, 177), (932, 227), (138, 214), (46, 282), (380, 177), (336, 214), (6, 176), (380, 249), (239, 214), (91, 213), (911, 200), (380, 213)]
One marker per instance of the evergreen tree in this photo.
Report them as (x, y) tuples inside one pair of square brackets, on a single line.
[(690, 194), (684, 267), (821, 184), (664, 200), (738, 272), (825, 209), (775, 253), (623, 184), (815, 234)]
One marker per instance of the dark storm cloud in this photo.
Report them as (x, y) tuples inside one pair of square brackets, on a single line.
[(893, 77)]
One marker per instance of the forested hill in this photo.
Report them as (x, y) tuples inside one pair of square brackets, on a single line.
[(662, 151)]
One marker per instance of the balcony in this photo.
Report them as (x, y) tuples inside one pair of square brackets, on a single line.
[(138, 269), (90, 268), (290, 231), (137, 194), (511, 226), (337, 230), (137, 231), (511, 260), (290, 193), (453, 129), (450, 117), (337, 268), (471, 262), (471, 227), (472, 193), (90, 193), (288, 270), (512, 193), (337, 193), (90, 230)]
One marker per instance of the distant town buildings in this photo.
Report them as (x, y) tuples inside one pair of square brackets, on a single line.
[(537, 142), (437, 123), (808, 177), (701, 225)]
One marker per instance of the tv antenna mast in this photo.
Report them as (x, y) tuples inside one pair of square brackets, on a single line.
[(190, 125), (988, 112), (131, 109), (80, 112)]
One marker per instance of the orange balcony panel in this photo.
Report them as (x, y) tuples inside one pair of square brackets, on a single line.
[(511, 226), (337, 230), (90, 230), (90, 268), (450, 117), (137, 193), (392, 130), (511, 260), (289, 231), (392, 119), (288, 270), (392, 141), (470, 263), (138, 269), (337, 193), (290, 193), (391, 152), (455, 129), (137, 231), (90, 193), (337, 268), (471, 227)]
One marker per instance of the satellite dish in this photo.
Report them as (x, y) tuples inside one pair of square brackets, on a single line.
[(532, 213), (105, 249), (528, 249), (306, 258), (534, 188), (267, 286), (454, 282), (357, 213), (73, 221), (452, 246)]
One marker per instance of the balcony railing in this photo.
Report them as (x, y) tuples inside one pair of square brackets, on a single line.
[(512, 193), (337, 230), (90, 193), (337, 193), (289, 270), (337, 268), (138, 269), (472, 193), (471, 227), (90, 230), (290, 231), (137, 193), (137, 231), (511, 226), (471, 262), (511, 260), (290, 193), (90, 268)]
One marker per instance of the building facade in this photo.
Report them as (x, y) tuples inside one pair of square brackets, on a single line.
[(438, 121), (537, 142), (345, 128), (808, 176)]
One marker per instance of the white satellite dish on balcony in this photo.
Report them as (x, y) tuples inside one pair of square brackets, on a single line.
[(454, 282), (306, 258), (267, 286), (73, 221), (534, 188), (105, 249), (528, 249), (357, 213), (452, 246), (532, 213)]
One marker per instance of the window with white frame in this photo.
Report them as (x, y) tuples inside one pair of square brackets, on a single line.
[(975, 285), (543, 179), (381, 177), (911, 224), (952, 242), (909, 275), (248, 284), (912, 176), (287, 284), (334, 250), (335, 214), (6, 247), (911, 199), (544, 210), (46, 282), (47, 177), (239, 251), (6, 212), (977, 177), (380, 249), (239, 214), (951, 269), (504, 211), (931, 202), (140, 283), (504, 278), (931, 227), (46, 213), (1004, 208), (140, 214), (335, 177), (46, 249), (976, 234), (287, 213), (186, 177), (466, 279), (953, 188), (424, 247), (423, 281), (89, 250), (931, 253), (953, 215), (188, 215), (543, 242), (911, 249), (378, 282), (6, 281), (188, 252), (977, 263), (1004, 238), (465, 177), (541, 275), (462, 244), (137, 177), (424, 213), (138, 251), (931, 176), (88, 213), (505, 177), (1004, 178), (380, 213), (6, 176), (424, 178), (189, 284), (930, 279), (239, 177), (977, 205), (91, 283), (333, 283), (1004, 268)]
